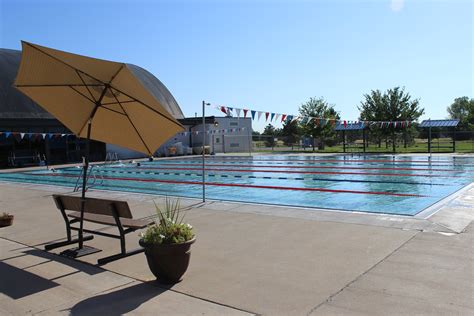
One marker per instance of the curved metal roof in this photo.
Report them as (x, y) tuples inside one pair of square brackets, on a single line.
[(15, 105)]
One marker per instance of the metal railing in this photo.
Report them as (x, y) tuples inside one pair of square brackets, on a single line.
[(94, 174), (111, 157)]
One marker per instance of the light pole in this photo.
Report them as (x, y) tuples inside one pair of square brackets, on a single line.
[(203, 150)]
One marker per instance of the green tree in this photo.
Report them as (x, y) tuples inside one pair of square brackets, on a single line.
[(392, 105), (463, 110), (270, 133), (321, 109), (291, 132)]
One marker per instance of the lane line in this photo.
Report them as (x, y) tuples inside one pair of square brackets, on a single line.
[(310, 172), (318, 167), (240, 185), (351, 160), (280, 178)]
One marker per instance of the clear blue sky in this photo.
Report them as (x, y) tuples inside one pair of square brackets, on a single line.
[(267, 55)]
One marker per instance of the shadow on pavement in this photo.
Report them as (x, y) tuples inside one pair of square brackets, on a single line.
[(117, 302), (17, 283), (83, 267)]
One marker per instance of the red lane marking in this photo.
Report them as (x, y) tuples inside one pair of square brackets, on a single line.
[(315, 167), (307, 172), (245, 185), (348, 160)]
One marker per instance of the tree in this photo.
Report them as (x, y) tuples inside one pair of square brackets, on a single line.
[(270, 132), (291, 131), (392, 105), (463, 110), (318, 108)]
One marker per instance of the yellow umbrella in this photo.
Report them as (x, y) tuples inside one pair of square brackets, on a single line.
[(96, 99)]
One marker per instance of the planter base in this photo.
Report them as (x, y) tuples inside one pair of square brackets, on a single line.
[(8, 221), (168, 263)]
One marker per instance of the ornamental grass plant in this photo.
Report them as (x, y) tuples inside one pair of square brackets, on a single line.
[(169, 227)]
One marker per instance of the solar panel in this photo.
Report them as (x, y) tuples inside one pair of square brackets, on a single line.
[(350, 127), (439, 123)]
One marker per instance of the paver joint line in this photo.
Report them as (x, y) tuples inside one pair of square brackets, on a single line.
[(132, 279), (362, 274)]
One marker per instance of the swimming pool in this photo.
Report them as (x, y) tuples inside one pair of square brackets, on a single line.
[(375, 184)]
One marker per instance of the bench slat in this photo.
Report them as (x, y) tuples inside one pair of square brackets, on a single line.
[(93, 205), (108, 220)]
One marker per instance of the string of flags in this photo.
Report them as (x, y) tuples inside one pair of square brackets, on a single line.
[(306, 120), (34, 136), (41, 136)]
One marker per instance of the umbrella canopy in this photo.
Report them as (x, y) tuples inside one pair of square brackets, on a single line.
[(79, 90)]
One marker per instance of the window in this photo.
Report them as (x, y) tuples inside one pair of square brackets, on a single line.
[(218, 140), (234, 124), (234, 145)]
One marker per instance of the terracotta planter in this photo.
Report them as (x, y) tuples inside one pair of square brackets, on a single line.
[(6, 221), (168, 263)]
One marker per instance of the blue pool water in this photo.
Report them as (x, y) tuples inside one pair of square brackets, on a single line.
[(375, 184)]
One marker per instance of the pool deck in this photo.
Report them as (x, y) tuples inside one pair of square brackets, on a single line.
[(248, 259)]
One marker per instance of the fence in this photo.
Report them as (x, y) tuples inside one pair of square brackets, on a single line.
[(441, 142)]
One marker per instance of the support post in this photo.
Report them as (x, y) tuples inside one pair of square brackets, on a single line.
[(429, 137), (454, 139), (343, 141), (249, 133), (364, 140), (203, 151)]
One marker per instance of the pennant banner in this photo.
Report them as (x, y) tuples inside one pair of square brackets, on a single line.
[(317, 121)]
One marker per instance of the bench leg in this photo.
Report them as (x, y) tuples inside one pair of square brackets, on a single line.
[(66, 242), (108, 259)]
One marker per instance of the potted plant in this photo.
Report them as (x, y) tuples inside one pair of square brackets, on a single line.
[(6, 219), (168, 243)]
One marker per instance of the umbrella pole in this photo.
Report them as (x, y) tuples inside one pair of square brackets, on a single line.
[(85, 166), (82, 250)]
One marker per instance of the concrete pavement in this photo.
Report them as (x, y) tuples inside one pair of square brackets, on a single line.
[(248, 258)]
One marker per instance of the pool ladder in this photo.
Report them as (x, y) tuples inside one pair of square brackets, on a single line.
[(111, 157), (94, 173)]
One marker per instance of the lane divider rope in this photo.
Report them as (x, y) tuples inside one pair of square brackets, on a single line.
[(241, 185)]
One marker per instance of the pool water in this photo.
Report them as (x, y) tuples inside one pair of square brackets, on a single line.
[(374, 184)]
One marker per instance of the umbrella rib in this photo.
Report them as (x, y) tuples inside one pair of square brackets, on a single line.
[(82, 79), (115, 75), (110, 103), (133, 125), (149, 107), (56, 85), (96, 107), (113, 110), (82, 94)]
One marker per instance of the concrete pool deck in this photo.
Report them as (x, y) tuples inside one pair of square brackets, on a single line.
[(248, 259)]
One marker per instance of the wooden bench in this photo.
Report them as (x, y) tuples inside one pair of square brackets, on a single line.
[(101, 211)]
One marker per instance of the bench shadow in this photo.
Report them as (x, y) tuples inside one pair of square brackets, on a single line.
[(118, 302), (78, 265), (17, 283)]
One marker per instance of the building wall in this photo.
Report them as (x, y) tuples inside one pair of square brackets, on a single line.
[(228, 142)]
